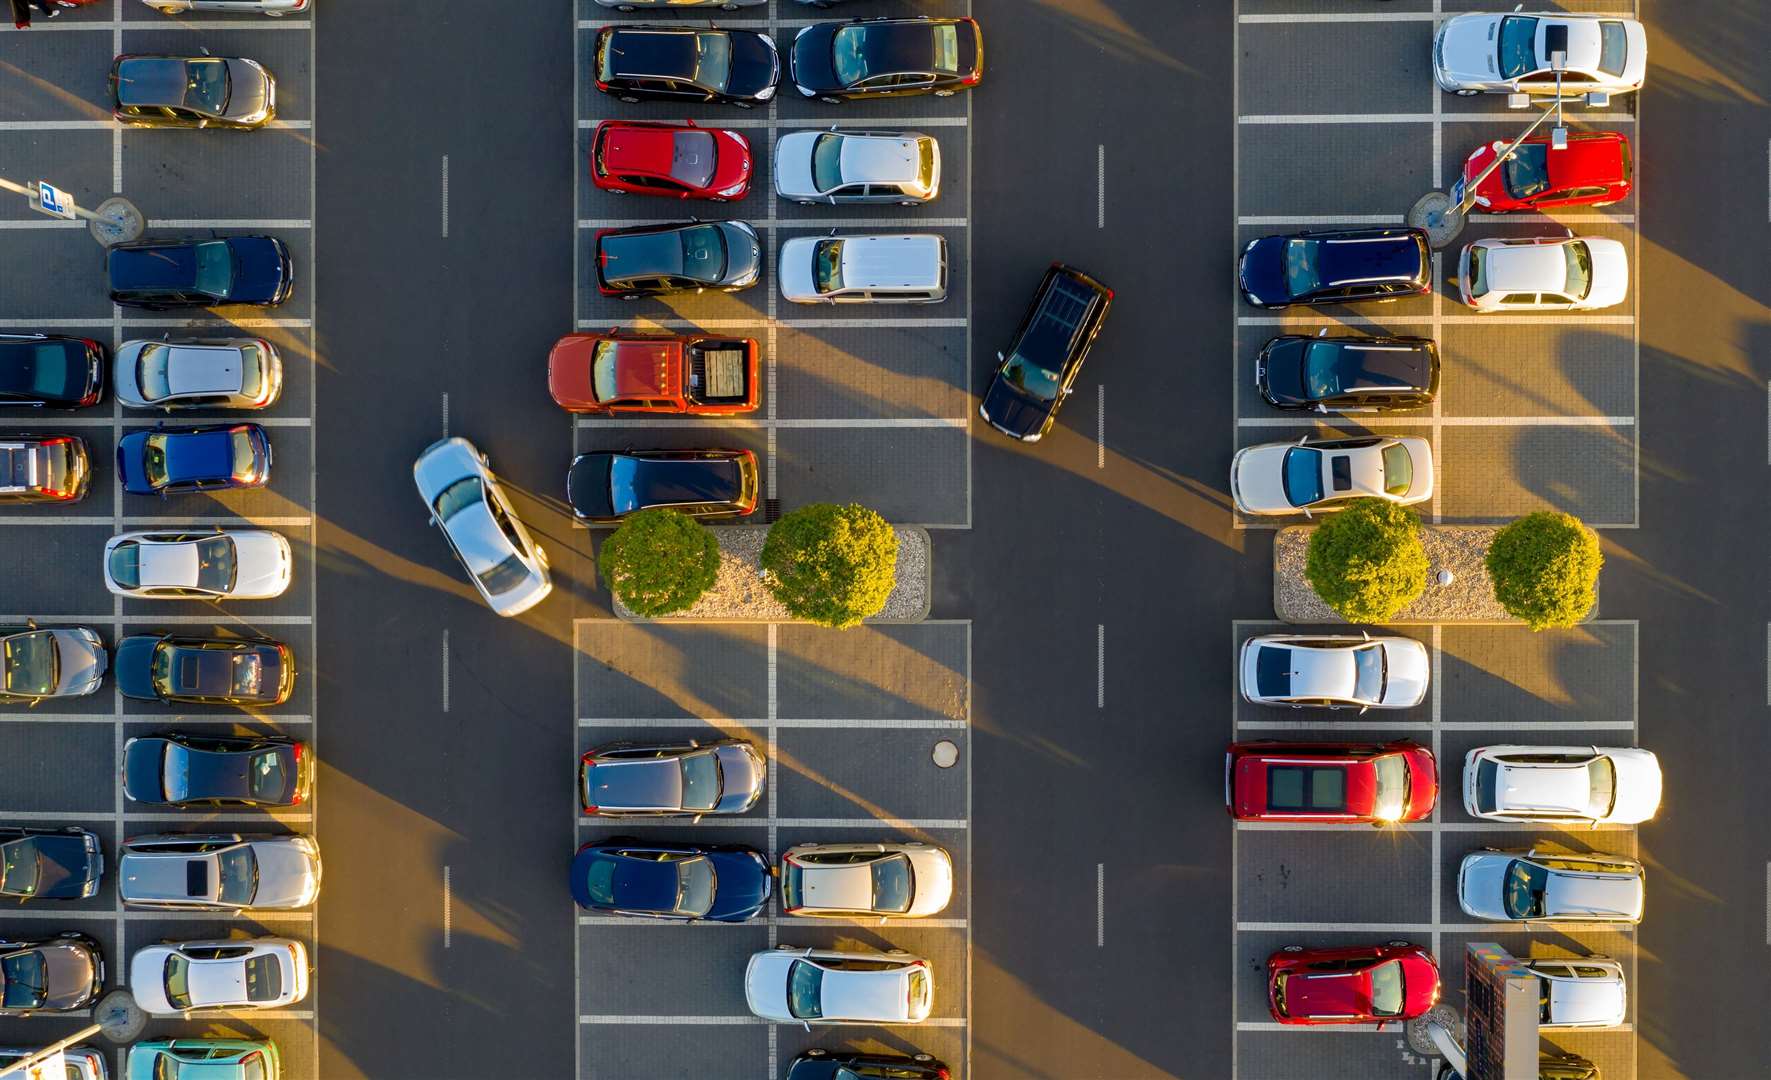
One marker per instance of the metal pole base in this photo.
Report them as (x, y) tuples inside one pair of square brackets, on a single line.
[(1439, 216), (121, 1019), (1420, 1036), (116, 221)]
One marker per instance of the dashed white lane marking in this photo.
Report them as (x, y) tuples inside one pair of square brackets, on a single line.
[(1100, 665), (1101, 426), (230, 223), (448, 914), (445, 196), (1768, 903), (1100, 905), (1101, 185), (445, 414), (445, 669)]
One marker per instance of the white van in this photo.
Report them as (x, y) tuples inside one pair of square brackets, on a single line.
[(900, 269)]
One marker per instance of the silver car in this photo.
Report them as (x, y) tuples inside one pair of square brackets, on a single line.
[(1546, 886), (1334, 671), (198, 373), (790, 985), (272, 8), (866, 880), (1580, 992), (38, 663), (84, 1062), (632, 779), (507, 566), (836, 166), (219, 872)]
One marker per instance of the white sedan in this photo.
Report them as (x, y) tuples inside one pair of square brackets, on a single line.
[(907, 881), (240, 973), (1337, 672), (1544, 273), (1297, 478), (789, 985), (1512, 54), (467, 504), (239, 564), (1575, 785)]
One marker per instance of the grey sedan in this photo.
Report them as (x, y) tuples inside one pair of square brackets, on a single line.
[(219, 872), (671, 779), (37, 663), (837, 167), (507, 566)]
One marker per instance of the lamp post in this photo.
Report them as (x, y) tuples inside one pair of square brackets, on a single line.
[(116, 221)]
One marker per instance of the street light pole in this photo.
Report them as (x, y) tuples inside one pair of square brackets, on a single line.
[(116, 1016), (51, 1050)]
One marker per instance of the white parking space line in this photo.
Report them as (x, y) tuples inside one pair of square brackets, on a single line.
[(1768, 903), (1444, 421), (1485, 320), (445, 670), (119, 25), (748, 122), (1312, 119), (102, 421), (1426, 928), (1101, 185), (759, 324), (1100, 905), (445, 414), (885, 724), (1320, 219), (230, 223), (1417, 826), (445, 196), (751, 822), (159, 324), (1347, 16), (704, 422), (1101, 425), (1425, 725), (448, 910), (1100, 666), (659, 1020), (846, 224)]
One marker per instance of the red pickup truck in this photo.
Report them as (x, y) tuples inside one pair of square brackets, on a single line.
[(653, 373)]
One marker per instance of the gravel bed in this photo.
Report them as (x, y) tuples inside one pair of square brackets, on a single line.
[(738, 595)]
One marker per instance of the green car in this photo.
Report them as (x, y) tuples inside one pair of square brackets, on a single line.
[(205, 1059)]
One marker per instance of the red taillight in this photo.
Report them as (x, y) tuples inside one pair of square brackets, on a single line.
[(297, 798), (943, 1074)]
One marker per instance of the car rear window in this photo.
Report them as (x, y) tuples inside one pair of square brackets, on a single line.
[(891, 884), (1272, 672), (1306, 787), (1398, 470), (1528, 170), (267, 776), (947, 48), (805, 986), (264, 978)]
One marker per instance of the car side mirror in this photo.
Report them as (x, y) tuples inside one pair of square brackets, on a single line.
[(1321, 408), (31, 624)]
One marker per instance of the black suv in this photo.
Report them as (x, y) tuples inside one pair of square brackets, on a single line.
[(1335, 267), (1347, 373), (686, 63), (1047, 353)]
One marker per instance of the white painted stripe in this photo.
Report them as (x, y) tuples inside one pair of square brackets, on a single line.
[(445, 669), (1101, 185), (1390, 930), (1425, 826), (901, 824), (705, 422), (1356, 420), (192, 818), (158, 324), (107, 125), (785, 920), (1415, 118), (445, 196), (142, 914), (1320, 219), (675, 1021), (448, 911), (1424, 725), (1315, 1029), (120, 25), (230, 223), (833, 323), (145, 522), (33, 717), (44, 223), (821, 723), (1544, 319), (746, 122), (445, 414), (1101, 425), (1100, 665), (42, 421), (1558, 219), (1768, 903), (1349, 16), (820, 224), (1100, 905)]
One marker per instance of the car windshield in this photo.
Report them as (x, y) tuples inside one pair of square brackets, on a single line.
[(827, 266), (1392, 787), (1613, 47), (700, 780), (1487, 785), (1602, 781), (1478, 263), (1580, 269), (1303, 476), (239, 875), (827, 162), (505, 576), (153, 375), (252, 365), (245, 454), (1386, 989), (1371, 669), (1528, 170), (849, 55), (30, 664), (792, 883), (160, 670), (602, 371), (891, 884), (24, 975), (178, 986), (713, 60), (459, 496), (925, 164), (252, 1068), (153, 459), (805, 984), (125, 565), (1524, 890), (1323, 369), (704, 253), (1518, 46), (18, 867), (175, 773), (165, 1068), (264, 977), (206, 84), (1031, 378), (694, 887), (215, 564), (215, 268), (1398, 469), (692, 158), (1301, 267), (266, 775)]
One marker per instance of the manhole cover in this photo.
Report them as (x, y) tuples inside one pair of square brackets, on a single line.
[(946, 753)]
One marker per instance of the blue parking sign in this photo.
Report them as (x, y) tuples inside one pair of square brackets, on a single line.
[(54, 201)]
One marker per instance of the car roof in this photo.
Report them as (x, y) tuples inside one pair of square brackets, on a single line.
[(154, 80), (879, 261), (680, 481), (1568, 893), (203, 369), (894, 45), (644, 884), (169, 876), (1526, 268), (1346, 259), (639, 51), (1556, 788), (1595, 157), (650, 253), (199, 455), (167, 565), (643, 148), (217, 982), (479, 539), (879, 159), (641, 784), (864, 994), (844, 886)]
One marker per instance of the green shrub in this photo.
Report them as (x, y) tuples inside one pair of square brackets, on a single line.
[(829, 564), (1367, 561), (1544, 567), (659, 561)]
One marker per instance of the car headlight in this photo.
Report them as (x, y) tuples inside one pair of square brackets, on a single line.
[(91, 842), (731, 192), (1253, 299), (765, 93), (1250, 245)]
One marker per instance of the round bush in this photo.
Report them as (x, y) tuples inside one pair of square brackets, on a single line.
[(1544, 567), (829, 564), (659, 561), (1367, 561)]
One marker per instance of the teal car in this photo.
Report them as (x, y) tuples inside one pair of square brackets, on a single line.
[(205, 1059)]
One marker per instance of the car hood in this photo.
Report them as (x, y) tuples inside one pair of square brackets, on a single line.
[(1262, 270), (135, 668), (813, 58), (744, 254), (1638, 786), (1282, 370), (1257, 479), (1409, 670), (756, 65), (287, 876), (83, 661), (793, 164), (1011, 411), (69, 972), (569, 376), (1467, 50), (1611, 272), (259, 264), (263, 561), (249, 93), (147, 980), (933, 870), (742, 884), (124, 365), (765, 984), (741, 779), (1479, 885), (129, 463), (65, 867), (793, 266), (143, 776)]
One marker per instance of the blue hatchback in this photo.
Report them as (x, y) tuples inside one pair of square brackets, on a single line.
[(161, 462), (720, 882)]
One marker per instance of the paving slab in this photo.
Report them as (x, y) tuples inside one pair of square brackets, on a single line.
[(651, 670), (873, 672)]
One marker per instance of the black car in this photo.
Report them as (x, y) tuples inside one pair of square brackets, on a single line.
[(1347, 373), (676, 257), (686, 63), (157, 274), (818, 1064), (606, 487), (161, 462), (44, 468), (192, 92), (57, 974), (1335, 267), (1046, 354), (49, 864), (40, 370), (186, 770), (204, 671), (886, 57), (717, 882)]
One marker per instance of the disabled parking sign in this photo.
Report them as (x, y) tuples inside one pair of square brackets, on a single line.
[(54, 201)]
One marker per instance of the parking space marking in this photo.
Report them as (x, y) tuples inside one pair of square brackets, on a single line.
[(1100, 905), (1101, 185), (772, 222), (1100, 425), (785, 723), (119, 25), (230, 223), (1768, 903), (1342, 16), (1354, 420), (749, 822), (653, 423), (1100, 666), (886, 323), (1413, 118), (1427, 928), (448, 911), (1428, 320), (445, 414), (1319, 219), (445, 672), (748, 122), (445, 196), (1419, 725)]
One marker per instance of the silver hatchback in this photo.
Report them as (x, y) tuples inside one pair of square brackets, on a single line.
[(219, 872), (837, 167), (1548, 886), (505, 563)]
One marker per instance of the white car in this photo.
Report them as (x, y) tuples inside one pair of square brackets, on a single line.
[(213, 373), (835, 167), (906, 881), (242, 973), (465, 502), (1550, 886), (1338, 672), (1577, 785), (1544, 273), (237, 564), (1297, 478), (790, 985), (237, 7), (1511, 54), (869, 269), (1580, 992)]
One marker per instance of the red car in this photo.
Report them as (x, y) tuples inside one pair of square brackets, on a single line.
[(653, 373), (1593, 170), (1374, 783), (677, 161), (1359, 985)]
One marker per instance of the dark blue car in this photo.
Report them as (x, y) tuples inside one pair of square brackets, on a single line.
[(160, 462), (158, 274), (720, 882), (1342, 267)]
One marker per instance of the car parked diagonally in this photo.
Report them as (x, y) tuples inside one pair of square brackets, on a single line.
[(40, 662), (1335, 671), (1045, 355), (1562, 785), (469, 507), (219, 872), (49, 864), (687, 779)]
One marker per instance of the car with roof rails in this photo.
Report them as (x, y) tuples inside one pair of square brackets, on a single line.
[(1347, 373), (1346, 266), (1569, 785), (198, 373), (39, 662), (214, 458), (176, 978), (227, 564), (1334, 671), (200, 272), (625, 876), (1361, 984), (176, 669), (176, 769), (791, 985), (907, 268), (820, 1064), (1544, 273), (1311, 476), (273, 8), (1516, 53), (1593, 168), (1579, 992), (886, 57), (219, 872), (1330, 783), (44, 468), (898, 880), (83, 1062), (50, 371), (686, 63), (687, 779), (674, 161), (1530, 885), (624, 371), (1046, 353), (205, 1059), (50, 975), (603, 488), (49, 864), (468, 505), (192, 92), (677, 257), (843, 167)]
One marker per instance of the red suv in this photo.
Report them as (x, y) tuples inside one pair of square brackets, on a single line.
[(677, 161), (1374, 783), (1592, 170), (1359, 985)]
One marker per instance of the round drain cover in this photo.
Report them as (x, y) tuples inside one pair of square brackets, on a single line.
[(946, 753)]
